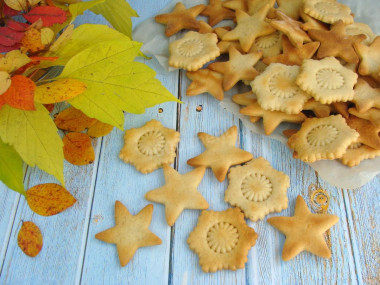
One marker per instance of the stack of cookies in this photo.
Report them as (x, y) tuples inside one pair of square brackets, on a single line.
[(307, 62)]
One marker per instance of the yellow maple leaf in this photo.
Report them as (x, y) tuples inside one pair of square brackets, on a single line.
[(5, 81), (47, 36)]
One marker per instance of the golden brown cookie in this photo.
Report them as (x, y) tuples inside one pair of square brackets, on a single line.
[(222, 240), (244, 99), (320, 110), (130, 232), (290, 7), (361, 28), (179, 192), (271, 119), (337, 43), (239, 67), (236, 5), (276, 89), (216, 12), (369, 58), (220, 153), (304, 231), (249, 28), (322, 138), (293, 55), (291, 28), (369, 133), (327, 80), (366, 97), (372, 115), (311, 23), (255, 5), (257, 189), (180, 18), (205, 80), (270, 45), (193, 50), (328, 11), (150, 146), (357, 152)]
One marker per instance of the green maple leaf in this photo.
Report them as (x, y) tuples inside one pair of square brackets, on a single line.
[(34, 136), (79, 8), (11, 171), (115, 83), (118, 13), (84, 36)]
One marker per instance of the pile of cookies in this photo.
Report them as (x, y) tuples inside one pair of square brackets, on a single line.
[(221, 239), (307, 62)]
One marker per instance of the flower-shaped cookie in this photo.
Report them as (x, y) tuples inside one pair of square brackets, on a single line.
[(327, 80), (270, 45), (149, 147), (322, 138), (222, 240), (257, 189), (193, 50), (276, 89), (328, 11)]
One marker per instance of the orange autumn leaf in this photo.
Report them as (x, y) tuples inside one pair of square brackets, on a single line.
[(31, 42), (29, 239), (59, 91), (73, 120), (49, 199), (20, 94), (99, 129), (77, 149)]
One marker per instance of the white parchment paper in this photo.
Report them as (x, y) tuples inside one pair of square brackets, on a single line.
[(156, 44)]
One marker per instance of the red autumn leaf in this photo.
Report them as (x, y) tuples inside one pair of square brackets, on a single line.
[(9, 37), (29, 239), (20, 94), (9, 12), (7, 49), (17, 26), (49, 199), (49, 15)]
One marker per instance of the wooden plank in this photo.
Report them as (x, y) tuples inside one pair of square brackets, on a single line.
[(212, 120), (362, 206), (57, 262), (119, 181), (8, 205), (265, 264)]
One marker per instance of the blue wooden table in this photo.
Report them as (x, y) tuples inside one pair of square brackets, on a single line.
[(72, 255)]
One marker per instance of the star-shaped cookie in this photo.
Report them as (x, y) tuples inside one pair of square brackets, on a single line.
[(369, 58), (249, 28), (290, 7), (291, 28), (239, 67), (236, 5), (179, 193), (130, 232), (216, 12), (366, 97), (293, 55), (255, 5), (220, 153), (304, 231), (337, 43), (369, 133), (271, 119), (205, 80), (180, 18)]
